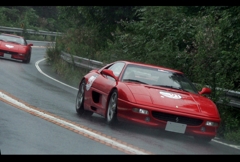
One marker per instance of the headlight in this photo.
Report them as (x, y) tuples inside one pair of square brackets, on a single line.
[(210, 123), (141, 111)]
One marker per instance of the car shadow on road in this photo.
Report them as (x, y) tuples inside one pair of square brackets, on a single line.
[(10, 59), (128, 128)]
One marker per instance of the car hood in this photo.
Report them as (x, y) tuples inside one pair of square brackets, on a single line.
[(10, 46), (175, 100)]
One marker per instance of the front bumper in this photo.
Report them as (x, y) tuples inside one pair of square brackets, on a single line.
[(14, 55), (195, 124)]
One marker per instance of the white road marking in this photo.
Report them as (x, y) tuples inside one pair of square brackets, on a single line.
[(234, 146), (70, 125), (36, 64)]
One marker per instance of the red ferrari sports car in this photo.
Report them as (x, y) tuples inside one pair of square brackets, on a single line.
[(148, 95), (16, 46)]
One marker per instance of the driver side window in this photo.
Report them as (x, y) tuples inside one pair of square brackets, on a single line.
[(117, 68)]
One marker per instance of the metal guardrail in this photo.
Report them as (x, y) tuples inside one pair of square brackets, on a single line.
[(233, 96), (81, 62), (30, 31)]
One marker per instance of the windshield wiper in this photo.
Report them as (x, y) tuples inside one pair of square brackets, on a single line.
[(167, 86), (134, 80)]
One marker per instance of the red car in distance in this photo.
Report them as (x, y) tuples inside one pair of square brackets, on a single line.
[(149, 95), (16, 46)]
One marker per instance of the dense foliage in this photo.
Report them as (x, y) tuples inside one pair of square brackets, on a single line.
[(30, 17)]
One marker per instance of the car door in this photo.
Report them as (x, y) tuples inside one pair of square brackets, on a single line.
[(103, 85)]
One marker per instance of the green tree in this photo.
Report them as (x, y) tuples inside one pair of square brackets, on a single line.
[(102, 18)]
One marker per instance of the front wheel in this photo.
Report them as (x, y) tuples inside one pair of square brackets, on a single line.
[(80, 98), (111, 116), (28, 58)]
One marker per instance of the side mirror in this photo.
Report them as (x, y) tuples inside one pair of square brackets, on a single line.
[(109, 73), (30, 44), (205, 90)]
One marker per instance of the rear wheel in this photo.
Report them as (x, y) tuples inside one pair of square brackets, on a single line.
[(80, 98), (111, 116)]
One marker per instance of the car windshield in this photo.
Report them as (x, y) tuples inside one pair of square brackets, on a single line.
[(11, 39), (158, 77)]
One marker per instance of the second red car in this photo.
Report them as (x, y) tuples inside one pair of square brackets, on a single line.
[(16, 46)]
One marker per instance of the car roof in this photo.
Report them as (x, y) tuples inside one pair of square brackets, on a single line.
[(150, 65), (11, 35)]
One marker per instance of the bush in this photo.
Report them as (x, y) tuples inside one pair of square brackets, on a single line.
[(230, 123)]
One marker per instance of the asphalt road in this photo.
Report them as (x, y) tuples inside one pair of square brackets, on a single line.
[(49, 124)]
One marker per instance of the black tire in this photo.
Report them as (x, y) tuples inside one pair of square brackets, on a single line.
[(203, 139), (80, 98), (28, 59), (111, 115)]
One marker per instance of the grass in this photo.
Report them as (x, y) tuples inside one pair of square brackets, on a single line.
[(70, 73)]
